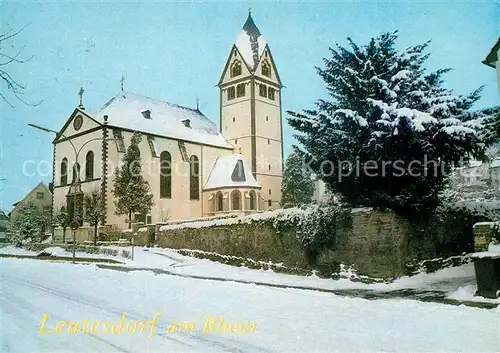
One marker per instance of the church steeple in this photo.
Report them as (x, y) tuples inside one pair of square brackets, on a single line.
[(250, 43), (250, 26), (250, 99)]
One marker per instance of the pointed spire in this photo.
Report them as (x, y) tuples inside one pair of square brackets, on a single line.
[(250, 26), (121, 82)]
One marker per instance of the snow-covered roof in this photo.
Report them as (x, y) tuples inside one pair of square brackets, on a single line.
[(129, 111), (250, 43), (231, 171), (495, 163), (3, 216), (492, 57), (473, 163)]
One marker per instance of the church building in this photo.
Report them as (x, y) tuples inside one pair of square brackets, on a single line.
[(193, 169)]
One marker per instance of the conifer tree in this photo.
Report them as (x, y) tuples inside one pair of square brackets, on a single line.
[(297, 187), (131, 190), (30, 222), (389, 133)]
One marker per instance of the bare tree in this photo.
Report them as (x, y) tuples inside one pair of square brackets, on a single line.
[(6, 60), (94, 210), (165, 215), (62, 219)]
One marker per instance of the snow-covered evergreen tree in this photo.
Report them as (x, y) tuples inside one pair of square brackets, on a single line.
[(94, 210), (297, 187), (29, 223), (390, 132), (130, 188)]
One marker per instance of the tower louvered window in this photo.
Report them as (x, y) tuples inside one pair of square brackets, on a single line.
[(231, 93), (240, 90), (270, 93), (266, 69), (263, 91), (236, 68)]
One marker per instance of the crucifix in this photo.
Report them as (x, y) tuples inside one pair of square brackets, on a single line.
[(121, 82), (80, 93)]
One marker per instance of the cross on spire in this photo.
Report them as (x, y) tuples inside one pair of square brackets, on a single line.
[(121, 82), (80, 93), (198, 103)]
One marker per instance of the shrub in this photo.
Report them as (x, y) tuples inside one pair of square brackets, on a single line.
[(126, 254), (318, 228), (111, 235)]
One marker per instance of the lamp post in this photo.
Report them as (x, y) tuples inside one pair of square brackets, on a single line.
[(75, 187)]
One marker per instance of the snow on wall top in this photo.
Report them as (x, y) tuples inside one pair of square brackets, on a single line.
[(125, 110), (495, 163), (222, 172), (250, 43), (281, 213)]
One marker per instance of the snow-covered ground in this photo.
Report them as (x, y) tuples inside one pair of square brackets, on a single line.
[(448, 281), (287, 320)]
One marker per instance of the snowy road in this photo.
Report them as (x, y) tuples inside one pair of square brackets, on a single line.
[(286, 320)]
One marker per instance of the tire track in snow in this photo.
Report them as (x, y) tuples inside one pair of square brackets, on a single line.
[(88, 302), (24, 304), (201, 341)]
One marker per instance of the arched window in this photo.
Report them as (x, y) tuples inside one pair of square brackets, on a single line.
[(236, 68), (236, 200), (165, 175), (76, 172), (263, 91), (219, 202), (270, 93), (64, 172), (231, 93), (266, 69), (89, 166), (194, 178), (252, 200), (240, 90)]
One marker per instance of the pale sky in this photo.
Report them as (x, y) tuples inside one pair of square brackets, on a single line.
[(176, 51)]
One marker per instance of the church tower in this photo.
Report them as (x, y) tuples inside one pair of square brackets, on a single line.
[(250, 110)]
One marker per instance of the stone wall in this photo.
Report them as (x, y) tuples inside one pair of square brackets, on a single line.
[(375, 246), (81, 234)]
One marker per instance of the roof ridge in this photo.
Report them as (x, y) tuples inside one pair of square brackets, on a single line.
[(125, 93)]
